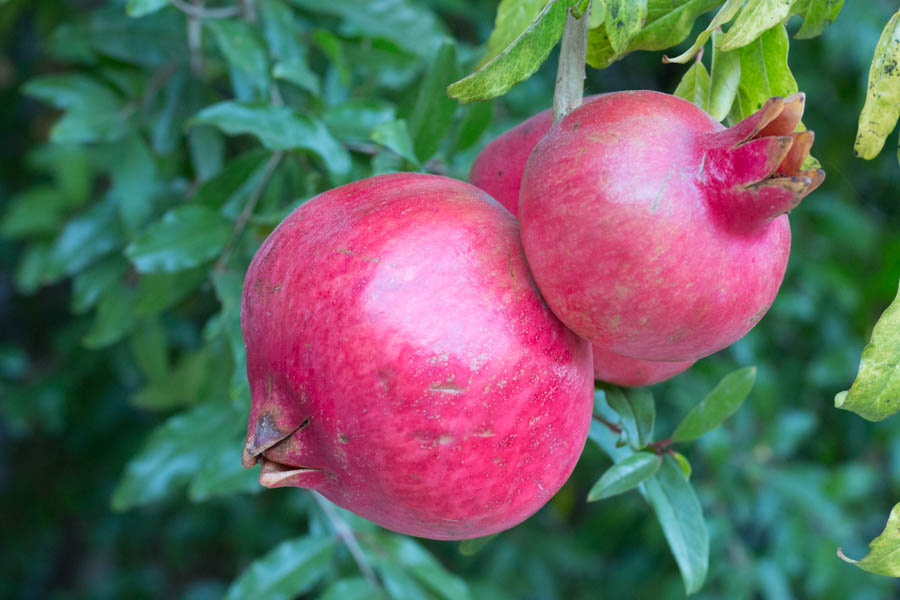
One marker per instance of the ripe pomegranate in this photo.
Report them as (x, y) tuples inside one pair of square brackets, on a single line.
[(655, 232), (498, 170), (402, 362), (633, 372)]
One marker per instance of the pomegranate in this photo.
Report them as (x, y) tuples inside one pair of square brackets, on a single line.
[(633, 372), (655, 232), (402, 362), (498, 170)]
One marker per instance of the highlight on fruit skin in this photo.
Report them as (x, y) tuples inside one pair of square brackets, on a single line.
[(402, 362), (657, 233)]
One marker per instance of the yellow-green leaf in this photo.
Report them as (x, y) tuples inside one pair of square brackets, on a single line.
[(882, 108), (875, 394), (694, 86), (514, 17), (755, 18), (725, 14), (764, 72), (624, 19), (884, 551), (724, 79)]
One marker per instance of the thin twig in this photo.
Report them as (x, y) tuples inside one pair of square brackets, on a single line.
[(569, 89), (207, 13), (247, 211), (347, 536), (609, 424), (195, 40)]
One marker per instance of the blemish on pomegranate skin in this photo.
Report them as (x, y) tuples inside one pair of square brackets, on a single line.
[(447, 388), (342, 438)]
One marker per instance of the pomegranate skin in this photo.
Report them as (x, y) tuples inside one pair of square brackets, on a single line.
[(499, 167), (656, 233), (402, 362), (633, 372), (498, 170)]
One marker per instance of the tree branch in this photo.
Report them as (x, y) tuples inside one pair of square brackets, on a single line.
[(569, 89), (346, 534)]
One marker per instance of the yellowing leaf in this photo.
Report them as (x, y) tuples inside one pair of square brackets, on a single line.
[(884, 551), (725, 14), (755, 18), (875, 394), (694, 86), (882, 108)]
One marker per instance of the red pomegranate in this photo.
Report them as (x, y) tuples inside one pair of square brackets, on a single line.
[(402, 362), (655, 232), (498, 170)]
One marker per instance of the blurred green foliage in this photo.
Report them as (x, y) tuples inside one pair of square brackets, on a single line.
[(122, 248)]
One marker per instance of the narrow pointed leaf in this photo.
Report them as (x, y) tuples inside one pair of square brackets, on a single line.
[(882, 108), (625, 475), (755, 18), (694, 86), (681, 518), (875, 394), (724, 79), (518, 61), (725, 14), (720, 404), (185, 237), (816, 14), (513, 18), (394, 135), (636, 410), (433, 114), (289, 570), (243, 48), (764, 72)]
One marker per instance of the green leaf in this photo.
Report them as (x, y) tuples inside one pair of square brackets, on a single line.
[(724, 79), (37, 210), (518, 61), (239, 177), (394, 135), (433, 114), (399, 584), (114, 318), (681, 518), (356, 118), (166, 129), (669, 22), (184, 385), (625, 475), (725, 14), (513, 18), (185, 237), (410, 25), (683, 462), (816, 14), (34, 268), (755, 18), (89, 285), (222, 473), (884, 551), (158, 291), (718, 405), (875, 393), (352, 588), (207, 148), (279, 128), (292, 568), (134, 182), (171, 456), (243, 49), (882, 108), (139, 8), (637, 411), (624, 19), (764, 72), (694, 86), (148, 344), (85, 238), (417, 561)]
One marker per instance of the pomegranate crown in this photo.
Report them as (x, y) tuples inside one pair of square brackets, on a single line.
[(753, 170)]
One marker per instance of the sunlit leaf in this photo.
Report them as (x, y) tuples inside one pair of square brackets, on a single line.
[(694, 86), (755, 18), (725, 14), (764, 72), (816, 14), (718, 405), (624, 19), (625, 475), (882, 108), (513, 18), (875, 394), (884, 551), (518, 61), (724, 79)]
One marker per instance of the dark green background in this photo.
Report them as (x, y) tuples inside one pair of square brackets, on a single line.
[(783, 483)]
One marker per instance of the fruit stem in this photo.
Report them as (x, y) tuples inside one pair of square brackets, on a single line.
[(570, 73)]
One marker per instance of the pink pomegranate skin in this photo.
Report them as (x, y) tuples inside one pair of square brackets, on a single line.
[(656, 233), (634, 372), (498, 170), (402, 362), (499, 167)]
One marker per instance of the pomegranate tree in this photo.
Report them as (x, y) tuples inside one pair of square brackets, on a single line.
[(655, 232), (402, 362)]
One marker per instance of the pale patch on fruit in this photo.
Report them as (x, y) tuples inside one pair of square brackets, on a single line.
[(371, 259), (445, 440), (484, 434), (342, 438), (447, 387), (478, 362)]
